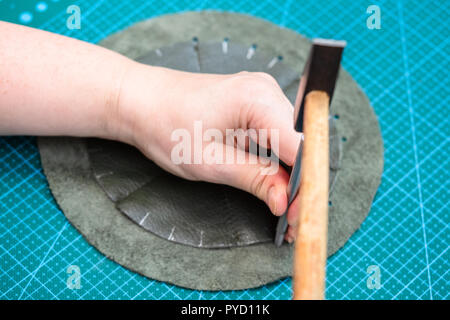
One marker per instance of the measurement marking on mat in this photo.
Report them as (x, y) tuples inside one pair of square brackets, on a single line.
[(414, 141), (171, 234), (143, 219)]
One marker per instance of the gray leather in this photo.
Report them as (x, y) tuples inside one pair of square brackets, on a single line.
[(238, 57), (180, 56)]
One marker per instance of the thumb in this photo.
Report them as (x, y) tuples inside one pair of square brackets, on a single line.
[(266, 180)]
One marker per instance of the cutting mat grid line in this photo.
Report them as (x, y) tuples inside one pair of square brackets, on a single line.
[(403, 68)]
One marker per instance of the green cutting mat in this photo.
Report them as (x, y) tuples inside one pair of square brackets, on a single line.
[(403, 68)]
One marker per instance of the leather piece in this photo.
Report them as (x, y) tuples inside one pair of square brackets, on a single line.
[(237, 57), (67, 167), (335, 154), (120, 169), (192, 213), (180, 56), (199, 214)]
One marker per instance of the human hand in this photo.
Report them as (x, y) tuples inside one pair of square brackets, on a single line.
[(153, 103), (89, 91)]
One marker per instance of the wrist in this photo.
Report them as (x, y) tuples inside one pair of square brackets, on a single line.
[(136, 96), (115, 124)]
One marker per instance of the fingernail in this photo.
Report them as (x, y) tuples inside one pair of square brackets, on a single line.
[(273, 200), (290, 239)]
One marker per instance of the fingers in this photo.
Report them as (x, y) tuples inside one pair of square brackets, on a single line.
[(291, 234), (265, 180), (263, 105), (266, 107), (289, 139)]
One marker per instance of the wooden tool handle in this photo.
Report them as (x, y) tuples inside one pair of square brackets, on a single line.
[(311, 244)]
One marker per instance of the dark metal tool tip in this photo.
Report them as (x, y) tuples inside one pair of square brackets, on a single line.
[(320, 73)]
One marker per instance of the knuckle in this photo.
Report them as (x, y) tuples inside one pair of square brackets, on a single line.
[(255, 89), (267, 77), (251, 84)]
